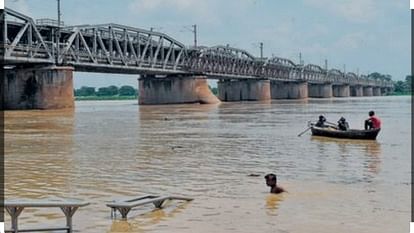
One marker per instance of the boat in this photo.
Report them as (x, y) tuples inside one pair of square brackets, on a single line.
[(333, 132)]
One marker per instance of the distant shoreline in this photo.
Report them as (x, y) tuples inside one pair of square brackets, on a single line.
[(103, 98), (82, 98), (400, 94)]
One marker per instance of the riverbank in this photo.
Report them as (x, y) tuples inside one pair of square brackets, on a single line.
[(81, 98), (400, 94)]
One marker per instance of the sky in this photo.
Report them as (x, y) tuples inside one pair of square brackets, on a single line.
[(362, 35)]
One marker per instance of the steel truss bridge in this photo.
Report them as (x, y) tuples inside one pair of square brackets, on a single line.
[(114, 48)]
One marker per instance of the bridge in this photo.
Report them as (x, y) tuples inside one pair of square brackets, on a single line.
[(39, 58)]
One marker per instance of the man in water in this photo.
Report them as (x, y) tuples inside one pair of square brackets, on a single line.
[(373, 122), (342, 124), (321, 122), (271, 181)]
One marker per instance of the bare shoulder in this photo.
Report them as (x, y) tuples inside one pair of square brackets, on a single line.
[(278, 190)]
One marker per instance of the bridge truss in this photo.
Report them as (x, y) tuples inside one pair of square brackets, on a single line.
[(114, 48)]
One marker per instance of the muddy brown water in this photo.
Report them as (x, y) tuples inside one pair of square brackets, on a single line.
[(103, 150)]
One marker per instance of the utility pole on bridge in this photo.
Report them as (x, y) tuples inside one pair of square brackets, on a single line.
[(58, 33), (195, 35), (193, 29), (261, 50)]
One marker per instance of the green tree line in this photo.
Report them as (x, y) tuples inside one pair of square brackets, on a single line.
[(115, 91), (400, 87), (404, 87), (106, 91)]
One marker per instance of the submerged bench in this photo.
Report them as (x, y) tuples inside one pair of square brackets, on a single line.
[(15, 208), (125, 205)]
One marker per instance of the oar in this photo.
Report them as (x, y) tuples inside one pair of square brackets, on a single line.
[(303, 132)]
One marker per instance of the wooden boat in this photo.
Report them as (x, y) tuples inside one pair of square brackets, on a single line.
[(350, 133)]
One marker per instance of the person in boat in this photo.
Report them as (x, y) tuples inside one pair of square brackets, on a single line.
[(271, 181), (321, 122), (373, 122), (342, 124)]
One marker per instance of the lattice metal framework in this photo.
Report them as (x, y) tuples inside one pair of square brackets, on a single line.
[(118, 47), (224, 62), (114, 48), (21, 40)]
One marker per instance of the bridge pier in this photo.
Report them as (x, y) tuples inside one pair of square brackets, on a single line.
[(244, 90), (320, 90), (175, 90), (376, 91), (367, 90), (342, 90), (48, 87), (356, 91), (288, 89)]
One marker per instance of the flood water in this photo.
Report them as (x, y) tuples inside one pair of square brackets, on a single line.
[(101, 151)]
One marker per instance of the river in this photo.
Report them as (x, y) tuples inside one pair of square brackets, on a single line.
[(104, 150)]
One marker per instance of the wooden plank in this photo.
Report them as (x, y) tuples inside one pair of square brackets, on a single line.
[(41, 229), (181, 198), (132, 203), (136, 198), (25, 203), (142, 201)]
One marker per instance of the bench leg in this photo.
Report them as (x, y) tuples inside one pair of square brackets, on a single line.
[(124, 212), (158, 204), (69, 211), (14, 213)]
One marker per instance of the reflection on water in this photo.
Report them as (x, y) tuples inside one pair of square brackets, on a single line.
[(146, 220), (40, 146), (347, 147), (272, 203), (106, 150)]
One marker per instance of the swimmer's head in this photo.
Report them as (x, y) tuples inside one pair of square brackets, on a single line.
[(271, 179)]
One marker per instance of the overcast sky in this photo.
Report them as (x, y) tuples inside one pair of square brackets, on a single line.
[(366, 35)]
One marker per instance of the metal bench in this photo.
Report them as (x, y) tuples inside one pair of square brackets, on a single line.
[(125, 205), (15, 208)]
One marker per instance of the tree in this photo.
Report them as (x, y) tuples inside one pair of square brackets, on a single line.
[(375, 76), (85, 91), (408, 83), (113, 90), (127, 91), (103, 91), (399, 86)]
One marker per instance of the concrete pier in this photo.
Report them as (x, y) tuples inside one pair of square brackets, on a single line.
[(38, 88), (368, 91), (376, 91), (320, 90), (288, 89), (340, 90), (356, 91), (175, 90), (244, 90)]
